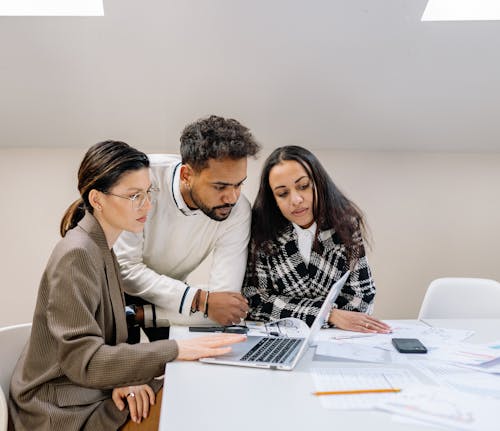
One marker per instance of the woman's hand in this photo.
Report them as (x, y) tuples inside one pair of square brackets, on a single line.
[(206, 347), (359, 322), (138, 398)]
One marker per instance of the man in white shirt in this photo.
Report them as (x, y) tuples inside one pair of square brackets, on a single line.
[(198, 210)]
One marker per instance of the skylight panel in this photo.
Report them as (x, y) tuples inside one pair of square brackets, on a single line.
[(462, 10), (51, 8)]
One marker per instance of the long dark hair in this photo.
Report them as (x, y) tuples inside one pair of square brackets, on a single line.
[(101, 168), (331, 208)]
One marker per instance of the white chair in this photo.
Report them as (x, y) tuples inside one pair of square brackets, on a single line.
[(461, 298), (3, 412), (12, 339)]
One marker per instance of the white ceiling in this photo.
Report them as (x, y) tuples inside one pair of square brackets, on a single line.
[(346, 74)]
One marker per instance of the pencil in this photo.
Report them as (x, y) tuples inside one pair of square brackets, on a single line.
[(358, 391)]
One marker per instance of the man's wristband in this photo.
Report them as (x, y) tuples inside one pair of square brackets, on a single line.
[(195, 305)]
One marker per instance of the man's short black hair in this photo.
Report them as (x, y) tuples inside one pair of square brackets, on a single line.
[(216, 138)]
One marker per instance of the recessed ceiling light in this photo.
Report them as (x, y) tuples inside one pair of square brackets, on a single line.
[(462, 10), (51, 8)]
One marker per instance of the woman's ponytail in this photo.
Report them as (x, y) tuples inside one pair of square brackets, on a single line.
[(72, 216)]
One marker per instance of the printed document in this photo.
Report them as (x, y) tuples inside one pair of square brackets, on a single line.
[(339, 379), (447, 408)]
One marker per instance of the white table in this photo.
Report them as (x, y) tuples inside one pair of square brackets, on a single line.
[(209, 397)]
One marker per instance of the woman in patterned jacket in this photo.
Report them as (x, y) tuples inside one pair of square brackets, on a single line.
[(305, 235)]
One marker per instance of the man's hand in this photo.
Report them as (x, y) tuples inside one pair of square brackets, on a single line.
[(226, 308)]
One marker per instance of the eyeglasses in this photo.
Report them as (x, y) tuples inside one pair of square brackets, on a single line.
[(139, 199), (281, 328)]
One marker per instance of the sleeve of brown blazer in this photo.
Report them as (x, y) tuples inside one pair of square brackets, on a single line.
[(73, 310)]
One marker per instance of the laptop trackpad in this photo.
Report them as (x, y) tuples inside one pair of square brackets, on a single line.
[(239, 349)]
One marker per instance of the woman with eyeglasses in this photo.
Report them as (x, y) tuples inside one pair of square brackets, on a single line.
[(77, 372), (305, 235)]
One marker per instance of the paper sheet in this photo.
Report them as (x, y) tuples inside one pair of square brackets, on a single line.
[(492, 367), (494, 345), (431, 337), (330, 379), (357, 352), (461, 379), (465, 353), (452, 409)]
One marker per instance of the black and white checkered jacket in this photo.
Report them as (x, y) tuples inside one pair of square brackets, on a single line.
[(279, 284)]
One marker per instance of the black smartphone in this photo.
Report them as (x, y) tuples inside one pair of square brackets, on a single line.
[(408, 345)]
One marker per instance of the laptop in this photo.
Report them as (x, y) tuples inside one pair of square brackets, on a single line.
[(283, 341)]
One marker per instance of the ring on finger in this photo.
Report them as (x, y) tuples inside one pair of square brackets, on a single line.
[(130, 394)]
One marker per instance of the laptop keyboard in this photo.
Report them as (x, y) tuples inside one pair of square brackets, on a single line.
[(272, 350)]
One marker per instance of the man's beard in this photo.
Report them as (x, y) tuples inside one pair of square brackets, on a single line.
[(210, 212)]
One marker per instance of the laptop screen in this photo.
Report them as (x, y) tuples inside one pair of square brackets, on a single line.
[(325, 309)]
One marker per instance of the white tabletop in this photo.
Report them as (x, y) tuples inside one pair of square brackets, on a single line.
[(200, 396)]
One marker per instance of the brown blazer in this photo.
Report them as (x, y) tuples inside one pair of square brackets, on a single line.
[(77, 352)]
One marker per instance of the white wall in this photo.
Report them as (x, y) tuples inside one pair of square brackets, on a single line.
[(430, 214)]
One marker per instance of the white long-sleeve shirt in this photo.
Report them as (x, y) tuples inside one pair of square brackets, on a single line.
[(305, 239), (155, 263)]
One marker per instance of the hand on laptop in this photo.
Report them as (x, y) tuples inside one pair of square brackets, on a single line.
[(206, 347), (356, 321), (227, 308)]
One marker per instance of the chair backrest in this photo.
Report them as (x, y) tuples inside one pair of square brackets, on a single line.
[(12, 342), (461, 298), (3, 412)]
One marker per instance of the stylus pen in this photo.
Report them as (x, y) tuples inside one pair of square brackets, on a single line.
[(357, 391)]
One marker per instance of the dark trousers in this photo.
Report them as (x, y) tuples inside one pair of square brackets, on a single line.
[(153, 334)]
